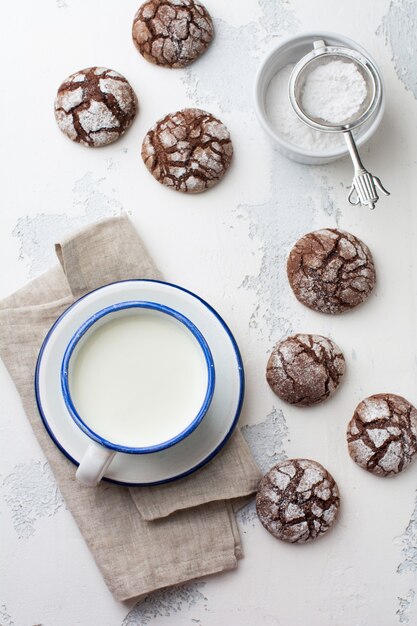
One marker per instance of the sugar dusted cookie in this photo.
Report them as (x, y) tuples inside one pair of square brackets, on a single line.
[(95, 106), (188, 151), (331, 271), (382, 434), (297, 500), (305, 369), (172, 33)]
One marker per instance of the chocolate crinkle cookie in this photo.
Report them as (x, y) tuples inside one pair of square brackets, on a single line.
[(297, 500), (382, 434), (188, 151), (331, 271), (172, 33), (95, 106), (305, 369)]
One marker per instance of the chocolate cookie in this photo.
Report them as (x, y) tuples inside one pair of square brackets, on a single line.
[(95, 106), (382, 434), (297, 500), (172, 33), (189, 150), (305, 369), (331, 271)]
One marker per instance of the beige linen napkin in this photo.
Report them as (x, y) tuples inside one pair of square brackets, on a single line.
[(142, 538)]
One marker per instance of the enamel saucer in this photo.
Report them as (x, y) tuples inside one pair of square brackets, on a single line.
[(189, 454)]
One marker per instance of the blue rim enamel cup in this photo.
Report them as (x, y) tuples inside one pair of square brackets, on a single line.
[(89, 326)]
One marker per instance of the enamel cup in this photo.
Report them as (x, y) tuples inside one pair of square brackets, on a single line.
[(137, 377)]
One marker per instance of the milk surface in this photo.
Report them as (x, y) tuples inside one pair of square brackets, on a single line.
[(140, 379)]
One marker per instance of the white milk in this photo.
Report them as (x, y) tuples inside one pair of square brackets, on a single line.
[(140, 379)]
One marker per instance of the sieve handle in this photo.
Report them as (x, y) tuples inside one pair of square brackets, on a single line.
[(364, 185)]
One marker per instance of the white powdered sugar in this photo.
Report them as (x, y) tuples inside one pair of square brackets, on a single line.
[(103, 137), (69, 99), (285, 121), (360, 452), (317, 510), (219, 131), (334, 92), (310, 477), (192, 183), (120, 90), (148, 11), (178, 171), (279, 479), (97, 117), (293, 511), (167, 139), (374, 409), (78, 78), (323, 491), (348, 250), (379, 436), (66, 124)]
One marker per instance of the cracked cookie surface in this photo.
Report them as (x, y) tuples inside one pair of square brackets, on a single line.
[(331, 271), (297, 501), (95, 106), (189, 151), (305, 369), (172, 33), (382, 434)]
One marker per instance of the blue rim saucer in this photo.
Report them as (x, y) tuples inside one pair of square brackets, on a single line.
[(209, 437)]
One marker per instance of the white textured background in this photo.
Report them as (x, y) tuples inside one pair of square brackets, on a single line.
[(229, 245)]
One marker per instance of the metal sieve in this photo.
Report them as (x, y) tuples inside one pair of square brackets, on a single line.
[(365, 186)]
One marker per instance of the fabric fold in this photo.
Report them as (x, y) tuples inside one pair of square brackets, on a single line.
[(141, 538), (232, 474), (113, 252)]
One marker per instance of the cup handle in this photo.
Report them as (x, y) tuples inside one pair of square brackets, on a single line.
[(94, 464)]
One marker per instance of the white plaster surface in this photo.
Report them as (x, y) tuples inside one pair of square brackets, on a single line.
[(230, 246)]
